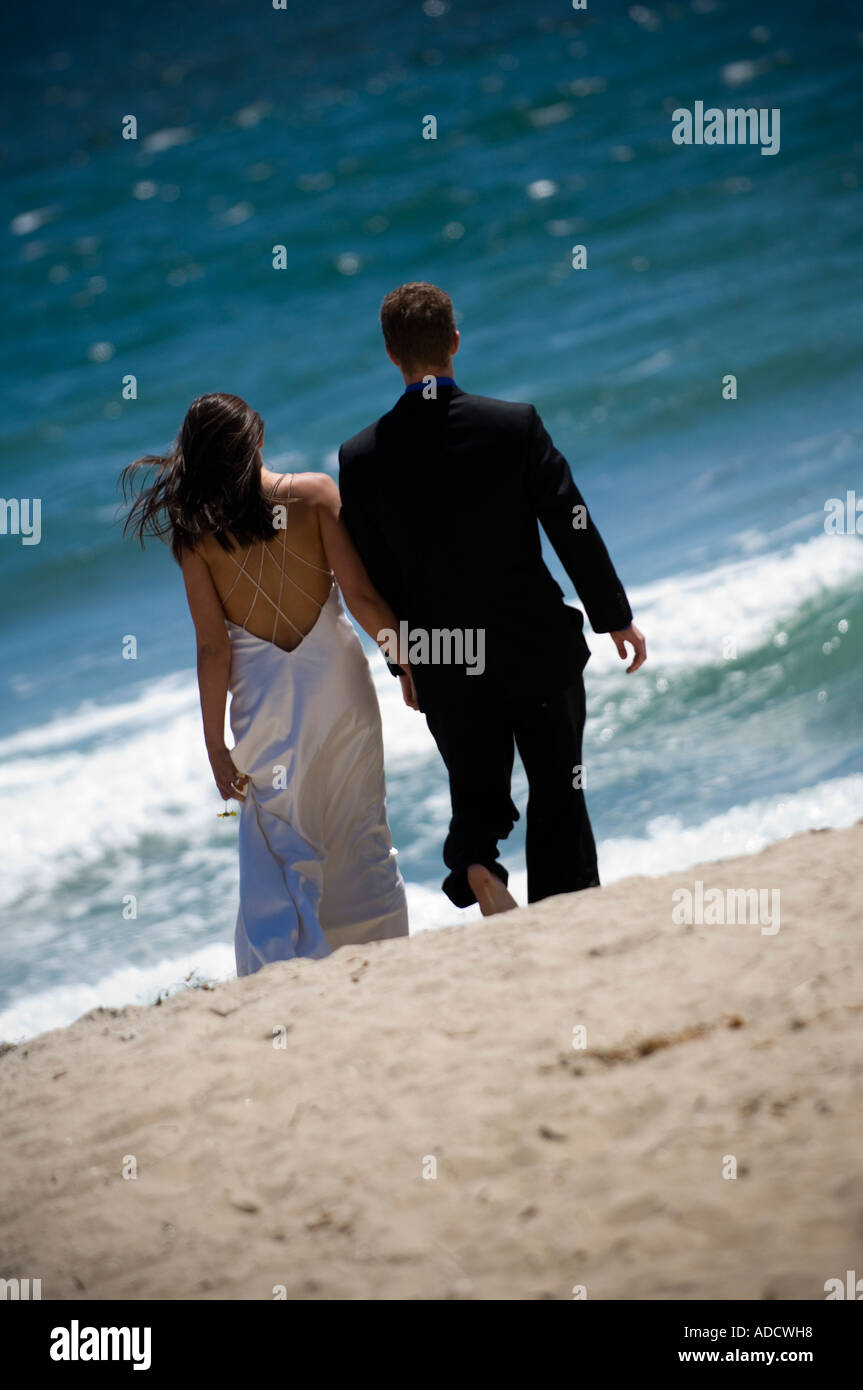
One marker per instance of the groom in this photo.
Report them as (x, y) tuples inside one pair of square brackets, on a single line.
[(444, 496)]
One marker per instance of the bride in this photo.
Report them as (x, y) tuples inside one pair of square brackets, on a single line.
[(263, 557)]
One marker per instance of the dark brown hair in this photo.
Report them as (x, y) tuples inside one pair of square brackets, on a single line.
[(210, 482), (418, 323)]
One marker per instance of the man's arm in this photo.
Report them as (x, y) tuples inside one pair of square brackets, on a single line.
[(563, 515), (372, 545), (371, 610)]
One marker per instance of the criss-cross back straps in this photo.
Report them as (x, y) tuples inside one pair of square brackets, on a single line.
[(259, 592)]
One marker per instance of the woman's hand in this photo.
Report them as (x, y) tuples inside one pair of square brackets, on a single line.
[(230, 782), (409, 692)]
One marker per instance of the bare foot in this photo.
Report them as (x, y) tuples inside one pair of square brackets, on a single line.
[(491, 894)]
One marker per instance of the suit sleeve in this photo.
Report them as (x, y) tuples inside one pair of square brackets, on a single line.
[(373, 546), (563, 515)]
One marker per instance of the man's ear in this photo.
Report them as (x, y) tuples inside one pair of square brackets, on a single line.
[(394, 360), (455, 342)]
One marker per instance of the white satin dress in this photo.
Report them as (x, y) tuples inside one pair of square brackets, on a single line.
[(317, 864)]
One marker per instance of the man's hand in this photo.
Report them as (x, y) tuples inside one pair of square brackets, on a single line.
[(409, 693), (636, 640)]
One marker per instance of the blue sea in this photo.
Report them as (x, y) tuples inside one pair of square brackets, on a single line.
[(302, 127)]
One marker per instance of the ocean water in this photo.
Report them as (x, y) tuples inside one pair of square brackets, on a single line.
[(303, 128)]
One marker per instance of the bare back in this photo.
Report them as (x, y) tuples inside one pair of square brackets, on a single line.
[(276, 588)]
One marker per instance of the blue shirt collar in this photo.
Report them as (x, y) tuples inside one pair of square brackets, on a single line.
[(419, 385)]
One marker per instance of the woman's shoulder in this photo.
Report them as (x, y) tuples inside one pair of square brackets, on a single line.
[(317, 489)]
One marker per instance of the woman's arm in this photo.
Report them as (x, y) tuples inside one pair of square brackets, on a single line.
[(370, 609), (214, 666)]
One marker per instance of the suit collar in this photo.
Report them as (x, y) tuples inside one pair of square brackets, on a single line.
[(445, 393), (421, 384)]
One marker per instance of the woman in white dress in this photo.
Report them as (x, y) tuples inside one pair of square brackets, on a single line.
[(264, 556)]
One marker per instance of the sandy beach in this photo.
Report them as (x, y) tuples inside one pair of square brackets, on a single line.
[(547, 1101)]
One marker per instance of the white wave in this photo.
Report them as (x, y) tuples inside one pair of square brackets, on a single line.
[(688, 617), (61, 1005), (429, 908), (142, 768), (66, 808), (130, 984), (94, 782), (406, 734), (157, 702), (687, 620), (668, 846)]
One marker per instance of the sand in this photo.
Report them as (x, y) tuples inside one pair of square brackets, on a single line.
[(307, 1168)]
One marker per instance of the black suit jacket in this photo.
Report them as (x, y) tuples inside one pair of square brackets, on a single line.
[(444, 499)]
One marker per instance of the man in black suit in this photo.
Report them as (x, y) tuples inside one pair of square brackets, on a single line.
[(443, 497)]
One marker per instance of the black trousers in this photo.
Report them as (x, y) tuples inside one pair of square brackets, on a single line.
[(476, 740)]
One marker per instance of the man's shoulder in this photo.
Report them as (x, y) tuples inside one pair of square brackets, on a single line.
[(508, 412), (507, 415), (359, 445)]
